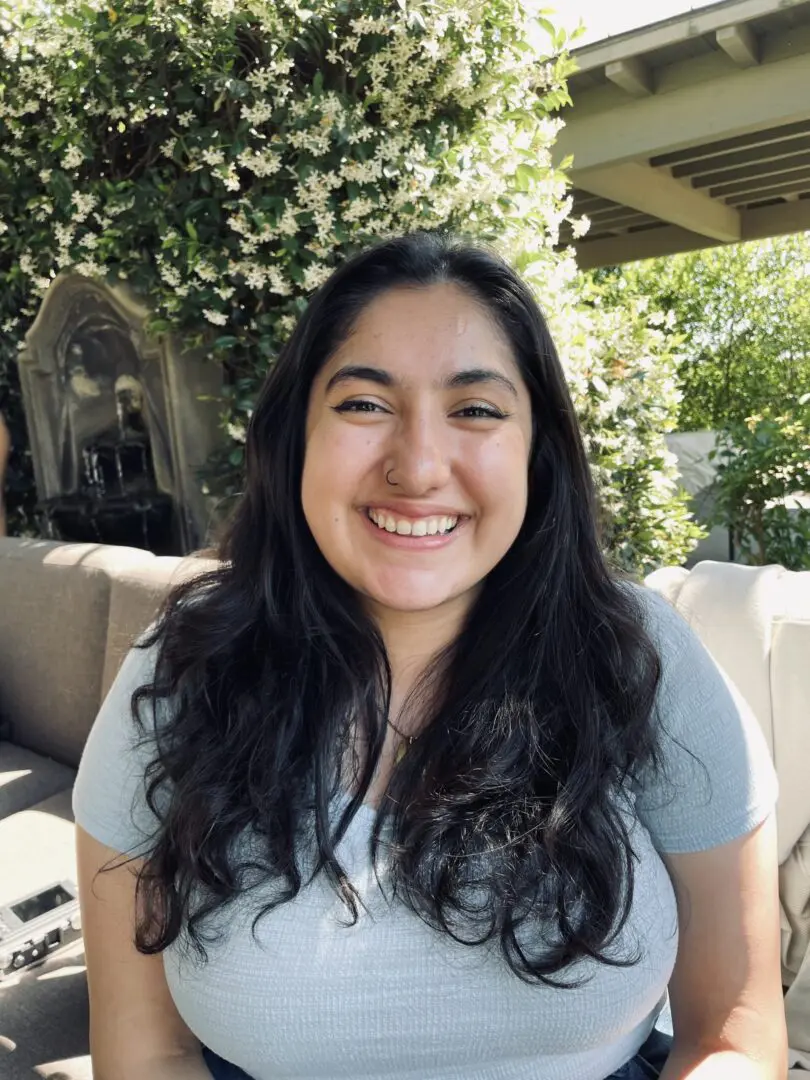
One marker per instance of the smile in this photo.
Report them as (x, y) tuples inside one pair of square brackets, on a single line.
[(430, 526)]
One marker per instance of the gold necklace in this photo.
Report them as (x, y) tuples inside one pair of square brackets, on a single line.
[(404, 746)]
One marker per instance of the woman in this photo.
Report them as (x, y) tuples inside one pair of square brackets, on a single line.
[(422, 777)]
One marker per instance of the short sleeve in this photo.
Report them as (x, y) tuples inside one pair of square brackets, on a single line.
[(109, 796), (717, 781)]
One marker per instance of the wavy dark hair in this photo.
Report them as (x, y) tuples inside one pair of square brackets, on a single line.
[(505, 820)]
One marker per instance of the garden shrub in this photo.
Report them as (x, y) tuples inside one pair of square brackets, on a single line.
[(223, 156)]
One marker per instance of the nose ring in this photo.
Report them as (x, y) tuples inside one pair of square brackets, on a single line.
[(388, 479)]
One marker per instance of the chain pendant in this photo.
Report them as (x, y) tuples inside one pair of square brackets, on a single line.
[(402, 750)]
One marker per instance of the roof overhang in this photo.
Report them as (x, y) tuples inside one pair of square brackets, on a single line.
[(692, 132)]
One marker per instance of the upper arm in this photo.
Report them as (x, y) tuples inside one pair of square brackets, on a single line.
[(133, 1019), (726, 988)]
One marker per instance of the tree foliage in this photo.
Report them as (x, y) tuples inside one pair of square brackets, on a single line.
[(741, 318), (763, 486), (738, 319)]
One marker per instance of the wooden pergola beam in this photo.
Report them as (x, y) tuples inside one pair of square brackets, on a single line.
[(653, 192), (757, 224), (739, 43), (766, 96), (631, 75)]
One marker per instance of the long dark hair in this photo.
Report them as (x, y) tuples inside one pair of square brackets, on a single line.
[(538, 713)]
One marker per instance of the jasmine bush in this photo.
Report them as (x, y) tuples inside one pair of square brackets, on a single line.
[(223, 156)]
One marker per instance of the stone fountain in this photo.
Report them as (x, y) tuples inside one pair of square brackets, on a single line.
[(120, 423)]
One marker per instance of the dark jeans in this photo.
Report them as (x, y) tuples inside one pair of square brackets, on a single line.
[(649, 1061), (221, 1069), (646, 1065)]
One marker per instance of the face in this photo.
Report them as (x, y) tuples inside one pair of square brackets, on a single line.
[(417, 446)]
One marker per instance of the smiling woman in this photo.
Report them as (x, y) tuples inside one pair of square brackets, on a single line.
[(410, 782)]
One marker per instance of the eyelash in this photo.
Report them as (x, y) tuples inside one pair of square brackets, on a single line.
[(469, 412)]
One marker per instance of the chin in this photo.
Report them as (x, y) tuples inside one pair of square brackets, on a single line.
[(410, 599)]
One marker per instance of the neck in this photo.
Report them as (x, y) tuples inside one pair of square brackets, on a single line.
[(412, 641)]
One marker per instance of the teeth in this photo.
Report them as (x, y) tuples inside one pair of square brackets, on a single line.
[(423, 527)]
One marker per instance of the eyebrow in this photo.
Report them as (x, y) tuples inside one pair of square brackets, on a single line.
[(469, 377)]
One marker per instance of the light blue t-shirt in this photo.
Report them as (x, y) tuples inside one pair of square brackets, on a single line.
[(308, 998)]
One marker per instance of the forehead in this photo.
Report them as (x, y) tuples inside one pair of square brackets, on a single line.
[(431, 328)]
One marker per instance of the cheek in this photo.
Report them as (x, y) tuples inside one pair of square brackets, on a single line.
[(336, 459), (498, 469)]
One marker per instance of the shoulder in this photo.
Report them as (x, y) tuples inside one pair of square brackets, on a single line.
[(715, 780), (109, 796), (666, 628)]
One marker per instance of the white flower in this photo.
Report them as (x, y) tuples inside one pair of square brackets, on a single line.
[(261, 79), (168, 273), (72, 158), (215, 317), (315, 275), (185, 119), (324, 221), (276, 282), (220, 8), (288, 225), (358, 209), (3, 227), (262, 163), (83, 203), (213, 157), (579, 226), (282, 65), (45, 175), (257, 114), (64, 234), (167, 149), (206, 272), (230, 179), (89, 268)]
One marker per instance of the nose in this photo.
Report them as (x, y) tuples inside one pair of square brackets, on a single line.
[(419, 461)]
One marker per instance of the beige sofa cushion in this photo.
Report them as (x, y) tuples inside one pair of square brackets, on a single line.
[(37, 847), (136, 595), (27, 778), (53, 637)]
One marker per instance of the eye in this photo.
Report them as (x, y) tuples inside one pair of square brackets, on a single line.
[(359, 405), (480, 412)]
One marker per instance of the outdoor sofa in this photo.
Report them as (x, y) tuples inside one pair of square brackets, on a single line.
[(68, 613)]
